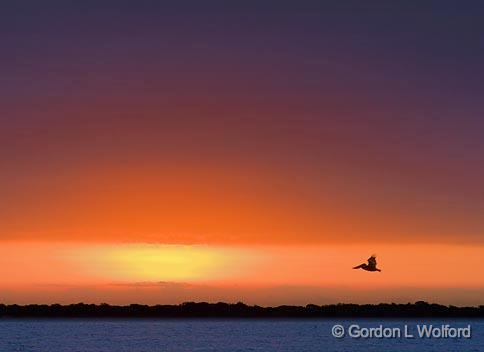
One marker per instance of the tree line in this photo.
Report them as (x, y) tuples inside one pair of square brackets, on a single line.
[(239, 310)]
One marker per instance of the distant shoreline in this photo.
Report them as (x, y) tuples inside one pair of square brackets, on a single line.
[(240, 310)]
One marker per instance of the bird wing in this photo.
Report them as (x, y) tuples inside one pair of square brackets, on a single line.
[(372, 261)]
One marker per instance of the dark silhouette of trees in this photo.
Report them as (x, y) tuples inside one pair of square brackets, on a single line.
[(239, 310)]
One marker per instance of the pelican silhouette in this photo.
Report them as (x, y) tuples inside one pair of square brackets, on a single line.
[(371, 266)]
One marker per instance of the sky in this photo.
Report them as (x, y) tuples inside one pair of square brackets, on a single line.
[(159, 152)]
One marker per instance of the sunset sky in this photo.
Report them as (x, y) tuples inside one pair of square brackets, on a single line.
[(241, 151)]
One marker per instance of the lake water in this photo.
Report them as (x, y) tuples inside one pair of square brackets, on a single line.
[(146, 335)]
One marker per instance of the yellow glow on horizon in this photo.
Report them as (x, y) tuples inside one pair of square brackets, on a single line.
[(163, 262), (160, 273)]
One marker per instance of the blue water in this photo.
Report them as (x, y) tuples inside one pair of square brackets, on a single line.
[(144, 335)]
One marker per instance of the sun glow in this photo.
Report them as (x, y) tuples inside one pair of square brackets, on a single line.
[(164, 262)]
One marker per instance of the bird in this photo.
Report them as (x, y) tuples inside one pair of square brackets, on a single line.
[(371, 266)]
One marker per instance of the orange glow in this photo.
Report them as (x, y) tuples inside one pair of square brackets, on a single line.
[(120, 269), (216, 203)]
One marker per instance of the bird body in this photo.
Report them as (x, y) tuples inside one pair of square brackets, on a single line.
[(371, 266)]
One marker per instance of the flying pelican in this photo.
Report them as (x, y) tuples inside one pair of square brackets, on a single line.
[(371, 266)]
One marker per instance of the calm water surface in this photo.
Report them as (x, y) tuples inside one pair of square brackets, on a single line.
[(140, 335)]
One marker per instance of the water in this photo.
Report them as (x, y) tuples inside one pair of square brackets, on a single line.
[(146, 335)]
